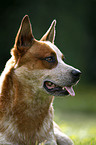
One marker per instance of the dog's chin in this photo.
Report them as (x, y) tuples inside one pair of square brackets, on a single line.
[(56, 90)]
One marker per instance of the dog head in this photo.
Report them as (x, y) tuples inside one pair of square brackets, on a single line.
[(40, 64)]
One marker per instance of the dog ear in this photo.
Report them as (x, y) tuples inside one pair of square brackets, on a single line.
[(24, 36), (50, 34)]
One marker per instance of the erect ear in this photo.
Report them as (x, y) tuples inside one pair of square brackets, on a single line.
[(24, 36), (50, 34)]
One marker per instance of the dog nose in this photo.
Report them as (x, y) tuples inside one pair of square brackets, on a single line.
[(76, 74)]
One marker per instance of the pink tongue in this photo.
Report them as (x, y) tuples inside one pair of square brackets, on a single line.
[(70, 91)]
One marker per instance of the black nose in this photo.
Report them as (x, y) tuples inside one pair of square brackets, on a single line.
[(76, 74)]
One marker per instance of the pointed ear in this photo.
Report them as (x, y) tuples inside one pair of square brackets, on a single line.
[(50, 34), (24, 36)]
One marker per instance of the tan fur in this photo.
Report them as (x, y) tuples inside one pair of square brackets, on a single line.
[(26, 111), (19, 104)]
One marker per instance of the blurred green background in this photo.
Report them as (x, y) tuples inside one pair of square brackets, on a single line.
[(75, 30), (76, 38)]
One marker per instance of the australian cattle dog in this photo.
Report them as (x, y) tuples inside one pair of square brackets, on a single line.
[(32, 76)]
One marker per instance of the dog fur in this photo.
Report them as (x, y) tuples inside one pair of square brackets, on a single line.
[(26, 111)]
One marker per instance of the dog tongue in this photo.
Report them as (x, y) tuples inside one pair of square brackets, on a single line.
[(70, 91)]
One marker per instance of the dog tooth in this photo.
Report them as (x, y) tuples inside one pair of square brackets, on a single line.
[(49, 83), (63, 88)]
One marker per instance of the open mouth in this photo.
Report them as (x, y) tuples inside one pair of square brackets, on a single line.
[(58, 90)]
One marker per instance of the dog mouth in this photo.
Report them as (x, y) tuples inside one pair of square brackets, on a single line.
[(56, 90)]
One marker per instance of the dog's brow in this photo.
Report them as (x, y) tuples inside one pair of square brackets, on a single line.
[(53, 53)]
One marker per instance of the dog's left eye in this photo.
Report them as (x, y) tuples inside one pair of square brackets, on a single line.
[(50, 59)]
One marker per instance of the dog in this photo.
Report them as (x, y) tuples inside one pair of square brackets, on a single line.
[(32, 76)]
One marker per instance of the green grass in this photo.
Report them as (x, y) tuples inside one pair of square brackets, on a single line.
[(77, 115)]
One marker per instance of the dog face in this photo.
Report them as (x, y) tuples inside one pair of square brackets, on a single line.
[(40, 64)]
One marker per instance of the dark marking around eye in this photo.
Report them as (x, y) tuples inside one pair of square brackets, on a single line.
[(50, 59)]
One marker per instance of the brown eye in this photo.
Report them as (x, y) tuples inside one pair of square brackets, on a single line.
[(50, 59)]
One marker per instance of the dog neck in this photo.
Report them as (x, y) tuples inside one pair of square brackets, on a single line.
[(18, 101)]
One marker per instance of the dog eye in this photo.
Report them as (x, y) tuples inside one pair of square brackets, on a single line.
[(50, 59)]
